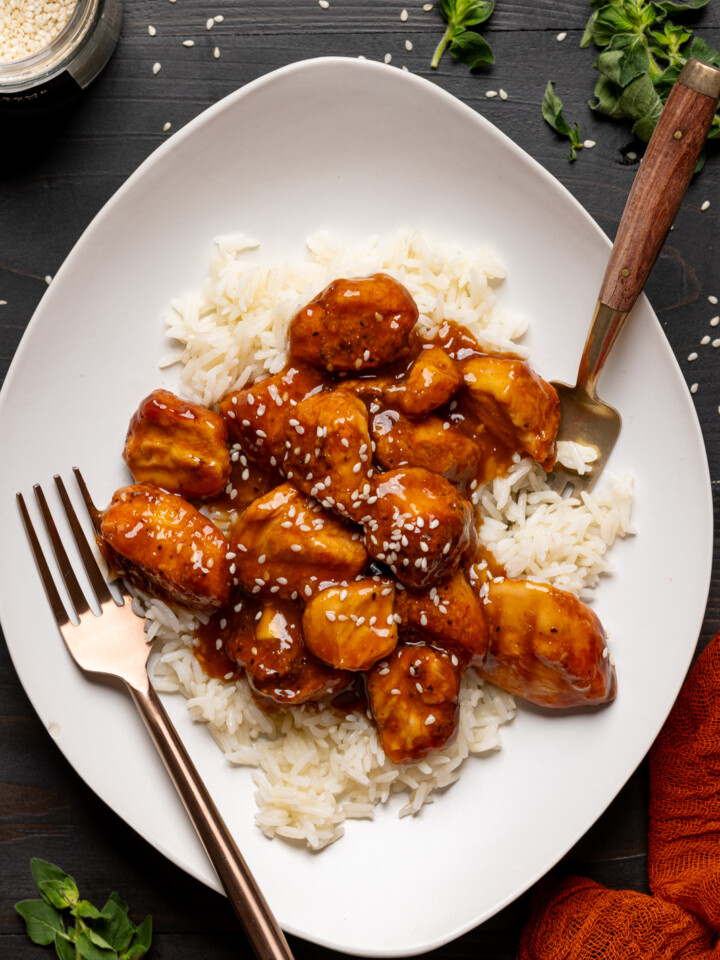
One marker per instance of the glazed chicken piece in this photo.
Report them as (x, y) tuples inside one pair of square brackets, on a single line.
[(286, 545), (515, 403), (177, 445), (276, 660), (431, 443), (357, 324), (432, 380), (351, 625), (329, 453), (413, 697), (420, 526), (451, 612), (169, 544), (255, 416), (545, 646)]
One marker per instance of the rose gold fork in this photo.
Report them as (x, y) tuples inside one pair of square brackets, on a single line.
[(114, 644)]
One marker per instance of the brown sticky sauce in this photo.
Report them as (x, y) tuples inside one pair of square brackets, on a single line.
[(352, 700), (223, 626), (235, 628), (247, 482)]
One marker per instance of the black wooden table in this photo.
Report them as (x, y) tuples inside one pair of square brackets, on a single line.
[(54, 181)]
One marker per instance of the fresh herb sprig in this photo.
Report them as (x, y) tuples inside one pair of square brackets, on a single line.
[(106, 934), (552, 108), (642, 55), (466, 45)]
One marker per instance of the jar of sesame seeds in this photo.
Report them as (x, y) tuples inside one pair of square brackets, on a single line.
[(50, 50)]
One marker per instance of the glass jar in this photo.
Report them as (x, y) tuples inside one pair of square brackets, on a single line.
[(68, 64)]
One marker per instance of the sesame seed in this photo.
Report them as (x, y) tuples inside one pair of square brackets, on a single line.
[(430, 720), (166, 127), (503, 96), (561, 36), (295, 547), (387, 58), (156, 68), (705, 204), (408, 45), (692, 356), (705, 340), (324, 4), (188, 43), (588, 144), (48, 279), (490, 94), (712, 299), (151, 30), (218, 18), (716, 343), (330, 615), (715, 321), (216, 54), (403, 15), (694, 388), (209, 23)]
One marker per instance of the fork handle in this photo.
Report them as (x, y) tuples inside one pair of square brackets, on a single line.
[(659, 187), (264, 933)]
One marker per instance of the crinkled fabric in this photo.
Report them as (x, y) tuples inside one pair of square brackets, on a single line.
[(577, 919)]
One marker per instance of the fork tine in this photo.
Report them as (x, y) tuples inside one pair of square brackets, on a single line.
[(91, 508), (77, 596), (561, 481), (92, 569), (58, 608)]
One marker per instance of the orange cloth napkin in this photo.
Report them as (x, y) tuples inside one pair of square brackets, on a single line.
[(578, 919)]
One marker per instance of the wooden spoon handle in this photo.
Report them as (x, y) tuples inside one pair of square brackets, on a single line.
[(660, 184)]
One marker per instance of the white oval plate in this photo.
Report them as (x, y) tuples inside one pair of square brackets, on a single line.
[(361, 149)]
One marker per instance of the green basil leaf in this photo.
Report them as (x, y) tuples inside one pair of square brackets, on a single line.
[(609, 64), (587, 37), (644, 127), (466, 13), (43, 871), (84, 908), (640, 100), (632, 59), (88, 950), (609, 22), (472, 49), (140, 943), (552, 110), (42, 920), (702, 50), (606, 99), (114, 924), (679, 6), (64, 948), (60, 893)]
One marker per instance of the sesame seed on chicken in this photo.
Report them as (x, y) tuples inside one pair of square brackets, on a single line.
[(356, 324)]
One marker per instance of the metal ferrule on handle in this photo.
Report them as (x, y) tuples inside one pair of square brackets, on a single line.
[(604, 329)]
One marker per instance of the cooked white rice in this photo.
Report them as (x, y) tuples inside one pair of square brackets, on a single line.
[(314, 769)]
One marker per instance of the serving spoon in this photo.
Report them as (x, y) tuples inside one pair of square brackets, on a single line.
[(654, 200)]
